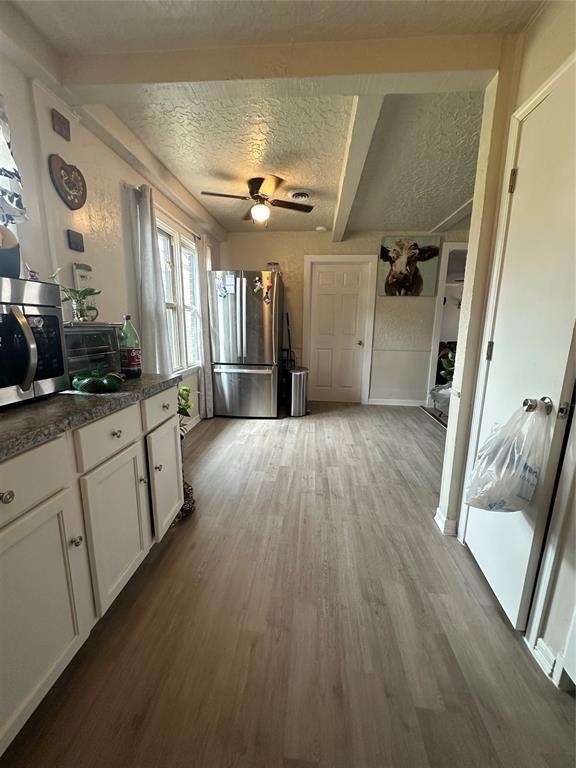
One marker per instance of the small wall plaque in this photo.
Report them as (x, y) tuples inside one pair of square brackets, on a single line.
[(75, 240), (60, 124)]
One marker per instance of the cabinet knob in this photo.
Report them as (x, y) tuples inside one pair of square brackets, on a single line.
[(165, 406), (7, 497), (76, 541), (144, 480), (158, 467), (116, 433)]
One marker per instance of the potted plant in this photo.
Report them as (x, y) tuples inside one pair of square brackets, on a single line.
[(82, 312), (447, 359)]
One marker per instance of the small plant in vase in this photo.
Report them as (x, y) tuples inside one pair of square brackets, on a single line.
[(82, 312)]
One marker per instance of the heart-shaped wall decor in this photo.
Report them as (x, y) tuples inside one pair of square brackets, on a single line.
[(68, 182)]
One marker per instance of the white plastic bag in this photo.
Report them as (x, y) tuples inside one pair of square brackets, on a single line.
[(509, 463), (440, 395)]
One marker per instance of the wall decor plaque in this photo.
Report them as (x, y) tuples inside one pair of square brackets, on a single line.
[(68, 181), (60, 124)]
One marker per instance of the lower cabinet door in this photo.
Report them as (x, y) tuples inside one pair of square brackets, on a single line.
[(46, 609), (117, 522), (165, 466)]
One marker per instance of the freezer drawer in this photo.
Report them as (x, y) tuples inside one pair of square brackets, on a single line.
[(245, 391)]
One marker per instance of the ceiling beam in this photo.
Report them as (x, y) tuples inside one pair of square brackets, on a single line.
[(363, 119), (281, 61), (23, 44), (456, 216)]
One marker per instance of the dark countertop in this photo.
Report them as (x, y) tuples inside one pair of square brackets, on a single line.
[(27, 425)]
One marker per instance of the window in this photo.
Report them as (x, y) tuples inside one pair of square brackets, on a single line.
[(179, 263)]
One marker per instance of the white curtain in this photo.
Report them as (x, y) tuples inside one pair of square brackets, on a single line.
[(206, 399), (151, 322)]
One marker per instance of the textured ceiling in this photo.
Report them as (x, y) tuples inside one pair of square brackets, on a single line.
[(217, 144), (421, 163), (97, 26)]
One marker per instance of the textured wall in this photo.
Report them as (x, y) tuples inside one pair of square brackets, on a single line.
[(100, 220), (402, 327)]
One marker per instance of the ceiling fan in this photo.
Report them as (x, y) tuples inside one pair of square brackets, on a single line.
[(260, 190)]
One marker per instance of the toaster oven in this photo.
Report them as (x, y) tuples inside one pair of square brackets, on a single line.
[(92, 345)]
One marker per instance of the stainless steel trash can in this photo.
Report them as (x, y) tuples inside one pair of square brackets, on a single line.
[(299, 389)]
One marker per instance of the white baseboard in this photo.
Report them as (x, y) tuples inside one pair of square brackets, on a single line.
[(448, 527), (188, 425), (385, 401), (544, 656)]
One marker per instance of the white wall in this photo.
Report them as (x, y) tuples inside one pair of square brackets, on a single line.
[(402, 325), (43, 236)]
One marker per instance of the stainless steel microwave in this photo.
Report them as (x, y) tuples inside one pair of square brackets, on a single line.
[(32, 353)]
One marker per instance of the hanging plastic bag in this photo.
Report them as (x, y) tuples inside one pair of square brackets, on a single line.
[(509, 463)]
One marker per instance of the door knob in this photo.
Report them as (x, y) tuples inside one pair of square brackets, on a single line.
[(165, 406), (7, 497), (158, 467), (116, 433), (144, 480), (76, 541), (360, 343)]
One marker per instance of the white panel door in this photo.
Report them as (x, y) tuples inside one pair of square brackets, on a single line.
[(532, 335), (165, 464), (118, 521), (45, 604), (339, 299)]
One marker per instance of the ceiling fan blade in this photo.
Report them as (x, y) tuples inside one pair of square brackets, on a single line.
[(291, 206), (221, 194), (270, 185)]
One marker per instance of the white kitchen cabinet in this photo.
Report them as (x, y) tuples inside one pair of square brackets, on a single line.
[(165, 468), (46, 609), (117, 521)]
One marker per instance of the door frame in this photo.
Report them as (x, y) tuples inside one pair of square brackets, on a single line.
[(439, 310), (516, 121), (370, 288)]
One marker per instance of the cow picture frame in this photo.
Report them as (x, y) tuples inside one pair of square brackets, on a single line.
[(408, 265)]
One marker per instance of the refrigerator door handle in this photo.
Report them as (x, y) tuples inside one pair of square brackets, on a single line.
[(274, 350), (239, 337), (231, 369), (244, 353)]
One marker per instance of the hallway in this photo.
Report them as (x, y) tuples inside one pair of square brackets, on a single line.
[(310, 615)]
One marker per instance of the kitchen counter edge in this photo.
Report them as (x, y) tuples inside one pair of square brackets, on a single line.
[(28, 425)]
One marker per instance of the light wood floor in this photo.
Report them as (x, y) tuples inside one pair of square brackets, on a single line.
[(311, 615)]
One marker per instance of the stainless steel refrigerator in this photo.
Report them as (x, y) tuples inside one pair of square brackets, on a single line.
[(246, 315)]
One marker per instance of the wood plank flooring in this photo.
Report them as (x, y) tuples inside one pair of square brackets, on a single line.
[(310, 615)]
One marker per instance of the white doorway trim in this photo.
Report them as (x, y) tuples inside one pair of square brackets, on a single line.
[(370, 293), (494, 290), (439, 311)]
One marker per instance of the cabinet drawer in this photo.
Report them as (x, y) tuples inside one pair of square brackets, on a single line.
[(160, 407), (31, 477), (107, 436)]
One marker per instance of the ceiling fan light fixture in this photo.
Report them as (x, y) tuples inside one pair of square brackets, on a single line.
[(260, 213)]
